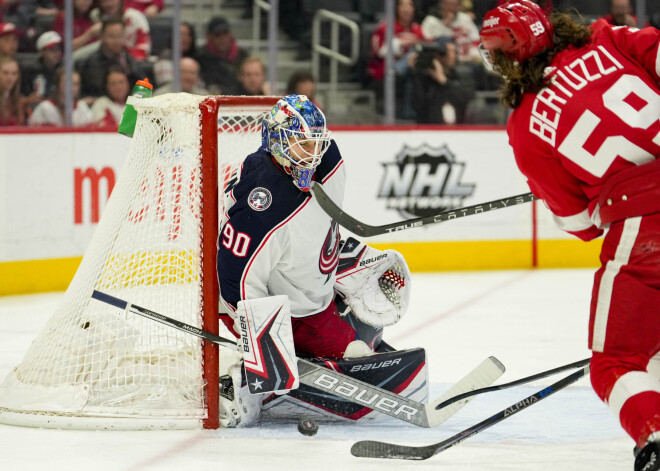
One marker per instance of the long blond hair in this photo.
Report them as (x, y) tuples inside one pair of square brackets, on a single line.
[(528, 76), (11, 101)]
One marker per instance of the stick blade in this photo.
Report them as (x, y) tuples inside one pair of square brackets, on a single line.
[(374, 449), (485, 374)]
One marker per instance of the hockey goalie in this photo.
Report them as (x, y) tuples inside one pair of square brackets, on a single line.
[(290, 287)]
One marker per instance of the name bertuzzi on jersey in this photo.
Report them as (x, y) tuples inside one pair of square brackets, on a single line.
[(423, 181)]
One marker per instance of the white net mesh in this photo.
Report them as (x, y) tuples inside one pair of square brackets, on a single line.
[(93, 361)]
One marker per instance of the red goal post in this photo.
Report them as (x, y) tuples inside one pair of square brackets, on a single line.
[(95, 367)]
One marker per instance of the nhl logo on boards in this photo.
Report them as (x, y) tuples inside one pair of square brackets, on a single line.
[(260, 199), (424, 181)]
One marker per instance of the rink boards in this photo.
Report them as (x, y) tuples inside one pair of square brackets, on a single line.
[(54, 186)]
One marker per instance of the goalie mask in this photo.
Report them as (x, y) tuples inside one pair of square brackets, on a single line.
[(520, 29), (296, 135)]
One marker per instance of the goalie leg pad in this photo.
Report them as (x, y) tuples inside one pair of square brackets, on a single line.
[(403, 372), (375, 284), (267, 344)]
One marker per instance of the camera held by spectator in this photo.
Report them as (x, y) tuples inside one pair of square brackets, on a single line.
[(426, 52)]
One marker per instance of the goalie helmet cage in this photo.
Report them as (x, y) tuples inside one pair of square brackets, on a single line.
[(96, 367)]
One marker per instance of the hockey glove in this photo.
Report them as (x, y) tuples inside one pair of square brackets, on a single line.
[(375, 284)]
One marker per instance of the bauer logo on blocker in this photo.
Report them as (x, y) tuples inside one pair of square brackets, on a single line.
[(423, 181), (260, 199)]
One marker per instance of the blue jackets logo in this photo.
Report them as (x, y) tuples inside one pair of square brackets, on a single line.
[(424, 181), (260, 199)]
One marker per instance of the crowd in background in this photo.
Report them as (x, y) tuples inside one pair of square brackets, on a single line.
[(112, 49), (437, 64)]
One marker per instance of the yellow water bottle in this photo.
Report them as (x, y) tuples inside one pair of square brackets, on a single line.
[(142, 89)]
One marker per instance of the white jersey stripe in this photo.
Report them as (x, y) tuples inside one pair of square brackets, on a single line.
[(657, 60), (332, 172), (575, 223), (629, 385), (622, 256)]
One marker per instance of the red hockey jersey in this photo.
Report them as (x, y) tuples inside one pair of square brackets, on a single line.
[(599, 115)]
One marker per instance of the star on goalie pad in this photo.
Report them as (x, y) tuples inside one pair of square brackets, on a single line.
[(267, 344)]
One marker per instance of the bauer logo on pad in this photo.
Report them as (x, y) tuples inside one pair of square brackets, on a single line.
[(267, 344)]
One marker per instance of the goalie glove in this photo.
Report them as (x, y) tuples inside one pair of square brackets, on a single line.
[(374, 284)]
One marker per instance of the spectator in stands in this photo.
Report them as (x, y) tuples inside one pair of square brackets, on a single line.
[(108, 109), (456, 24), (151, 8), (163, 68), (8, 39), (188, 40), (407, 33), (302, 83), (50, 112), (11, 102), (112, 51), (621, 14), (45, 7), (85, 31), (18, 13), (220, 57), (38, 78), (138, 38), (252, 77), (440, 94), (189, 79)]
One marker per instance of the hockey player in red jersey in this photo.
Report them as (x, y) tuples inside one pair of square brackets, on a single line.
[(585, 131)]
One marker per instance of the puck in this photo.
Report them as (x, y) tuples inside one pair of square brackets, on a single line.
[(308, 427)]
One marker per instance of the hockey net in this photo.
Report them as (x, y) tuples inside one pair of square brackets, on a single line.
[(94, 366)]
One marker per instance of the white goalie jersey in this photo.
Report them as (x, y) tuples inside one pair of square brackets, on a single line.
[(276, 239)]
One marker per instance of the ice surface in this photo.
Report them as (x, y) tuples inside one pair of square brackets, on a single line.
[(532, 320)]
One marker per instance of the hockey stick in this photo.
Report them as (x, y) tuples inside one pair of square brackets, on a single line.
[(338, 384), (375, 449), (360, 228), (528, 379)]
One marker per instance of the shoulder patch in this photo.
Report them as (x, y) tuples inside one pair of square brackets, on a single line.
[(260, 199)]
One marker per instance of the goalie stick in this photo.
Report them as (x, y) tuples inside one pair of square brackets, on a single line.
[(360, 228), (343, 386), (376, 449)]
